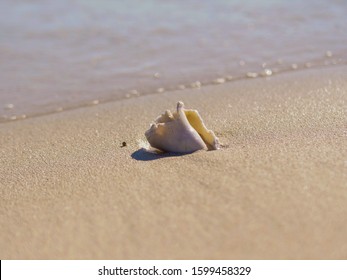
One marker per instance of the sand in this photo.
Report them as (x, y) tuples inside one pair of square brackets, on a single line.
[(276, 190)]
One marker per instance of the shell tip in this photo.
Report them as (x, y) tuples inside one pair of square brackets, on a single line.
[(180, 105)]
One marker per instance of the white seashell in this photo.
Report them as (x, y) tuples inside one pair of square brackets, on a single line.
[(181, 132)]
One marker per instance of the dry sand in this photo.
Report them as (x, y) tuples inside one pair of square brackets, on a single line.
[(277, 191)]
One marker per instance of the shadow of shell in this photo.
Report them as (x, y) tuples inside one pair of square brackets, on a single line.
[(144, 155)]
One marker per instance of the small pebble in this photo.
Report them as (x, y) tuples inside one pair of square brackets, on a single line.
[(294, 66), (160, 90), (251, 75), (181, 87), (95, 102), (196, 84), (329, 54), (219, 81), (156, 75), (266, 72), (124, 144), (9, 106), (134, 92)]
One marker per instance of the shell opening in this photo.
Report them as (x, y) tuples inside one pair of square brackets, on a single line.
[(195, 120), (206, 135)]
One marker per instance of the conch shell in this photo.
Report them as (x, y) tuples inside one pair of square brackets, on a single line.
[(181, 132)]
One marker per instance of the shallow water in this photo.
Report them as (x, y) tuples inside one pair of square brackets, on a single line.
[(58, 55)]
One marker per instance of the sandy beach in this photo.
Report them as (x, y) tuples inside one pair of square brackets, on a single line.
[(276, 190)]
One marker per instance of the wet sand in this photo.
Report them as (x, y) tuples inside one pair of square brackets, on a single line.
[(276, 190)]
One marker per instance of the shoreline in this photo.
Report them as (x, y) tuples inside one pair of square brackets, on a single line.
[(70, 191), (274, 71)]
